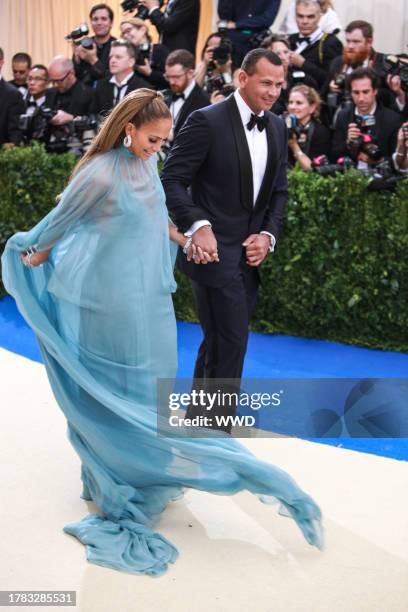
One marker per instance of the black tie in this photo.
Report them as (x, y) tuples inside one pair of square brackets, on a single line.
[(260, 122), (118, 89), (177, 96), (302, 39)]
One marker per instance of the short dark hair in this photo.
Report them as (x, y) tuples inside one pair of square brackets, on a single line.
[(365, 27), (252, 58), (364, 73), (22, 57), (121, 42), (98, 7), (181, 56), (1, 54), (40, 67)]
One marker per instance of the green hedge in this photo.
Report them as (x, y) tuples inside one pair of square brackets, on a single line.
[(339, 271)]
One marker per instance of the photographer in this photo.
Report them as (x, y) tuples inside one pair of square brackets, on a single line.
[(92, 64), (109, 92), (367, 131), (400, 157), (69, 96), (329, 20), (280, 45), (312, 49), (307, 138), (244, 20), (215, 69), (177, 24), (37, 81), (151, 59), (396, 97), (11, 107)]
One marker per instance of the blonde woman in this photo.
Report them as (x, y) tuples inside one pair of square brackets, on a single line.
[(96, 289), (310, 138), (329, 21)]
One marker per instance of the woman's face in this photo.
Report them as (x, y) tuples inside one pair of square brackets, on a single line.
[(149, 137), (299, 106), (134, 34), (283, 52)]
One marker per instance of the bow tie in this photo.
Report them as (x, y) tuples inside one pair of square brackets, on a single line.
[(260, 122), (177, 96), (302, 39)]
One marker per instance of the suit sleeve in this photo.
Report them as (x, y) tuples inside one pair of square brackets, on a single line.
[(17, 108), (331, 49), (277, 203), (339, 141), (183, 13), (185, 160), (264, 17)]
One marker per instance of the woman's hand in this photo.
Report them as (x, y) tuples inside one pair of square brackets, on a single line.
[(32, 258)]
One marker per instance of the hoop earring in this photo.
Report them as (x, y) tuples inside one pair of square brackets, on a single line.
[(127, 141)]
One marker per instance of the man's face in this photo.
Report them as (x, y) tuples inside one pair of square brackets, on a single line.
[(20, 72), (363, 94), (357, 48), (178, 77), (61, 79), (37, 82), (101, 23), (261, 89), (120, 60), (307, 18)]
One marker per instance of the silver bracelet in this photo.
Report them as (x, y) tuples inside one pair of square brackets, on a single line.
[(187, 245)]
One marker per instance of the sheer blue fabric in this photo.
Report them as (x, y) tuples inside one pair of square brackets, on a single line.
[(102, 311)]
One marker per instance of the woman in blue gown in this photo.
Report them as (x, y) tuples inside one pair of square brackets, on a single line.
[(96, 289)]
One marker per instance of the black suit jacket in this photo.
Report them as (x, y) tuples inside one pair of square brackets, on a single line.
[(11, 107), (385, 131), (249, 14), (318, 56), (211, 154), (104, 90), (196, 100), (178, 27), (76, 101)]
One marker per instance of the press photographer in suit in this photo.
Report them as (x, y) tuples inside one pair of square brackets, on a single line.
[(234, 156), (177, 24)]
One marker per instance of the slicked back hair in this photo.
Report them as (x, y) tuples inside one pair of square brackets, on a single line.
[(252, 58)]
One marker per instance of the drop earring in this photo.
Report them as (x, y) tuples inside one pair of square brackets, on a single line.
[(127, 141)]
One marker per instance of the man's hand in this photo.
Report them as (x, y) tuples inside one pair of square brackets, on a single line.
[(150, 4), (257, 247), (61, 118), (296, 59), (206, 244), (88, 55), (333, 87), (352, 132)]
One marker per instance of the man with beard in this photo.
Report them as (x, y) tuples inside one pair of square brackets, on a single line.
[(357, 53)]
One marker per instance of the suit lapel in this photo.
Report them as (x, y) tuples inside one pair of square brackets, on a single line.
[(270, 169), (244, 158)]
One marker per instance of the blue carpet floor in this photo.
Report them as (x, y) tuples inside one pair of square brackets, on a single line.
[(268, 357)]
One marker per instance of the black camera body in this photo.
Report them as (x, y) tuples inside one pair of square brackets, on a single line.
[(79, 36), (143, 53), (322, 166), (397, 65), (134, 5), (295, 128), (365, 143), (36, 126), (74, 137), (218, 83), (343, 97)]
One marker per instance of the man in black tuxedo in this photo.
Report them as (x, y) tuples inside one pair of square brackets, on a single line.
[(69, 96), (11, 107), (109, 92), (245, 19), (312, 49), (177, 24), (184, 95), (233, 154), (379, 123)]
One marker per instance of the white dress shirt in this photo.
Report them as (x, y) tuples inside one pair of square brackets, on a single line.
[(314, 37), (258, 151), (120, 86)]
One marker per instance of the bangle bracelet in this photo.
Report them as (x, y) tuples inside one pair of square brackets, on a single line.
[(187, 245)]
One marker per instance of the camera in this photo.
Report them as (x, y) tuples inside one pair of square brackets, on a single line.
[(220, 55), (79, 36), (143, 53), (74, 137), (396, 65), (295, 128), (365, 142), (222, 27), (322, 166), (134, 5), (343, 98), (36, 126), (219, 83), (257, 39)]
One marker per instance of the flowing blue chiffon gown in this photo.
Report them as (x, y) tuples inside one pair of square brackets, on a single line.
[(102, 311)]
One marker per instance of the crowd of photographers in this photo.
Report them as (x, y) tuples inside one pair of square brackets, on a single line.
[(344, 106)]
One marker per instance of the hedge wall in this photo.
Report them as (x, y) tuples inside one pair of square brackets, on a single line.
[(340, 271)]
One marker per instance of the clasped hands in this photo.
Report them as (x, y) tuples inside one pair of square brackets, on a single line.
[(203, 248)]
